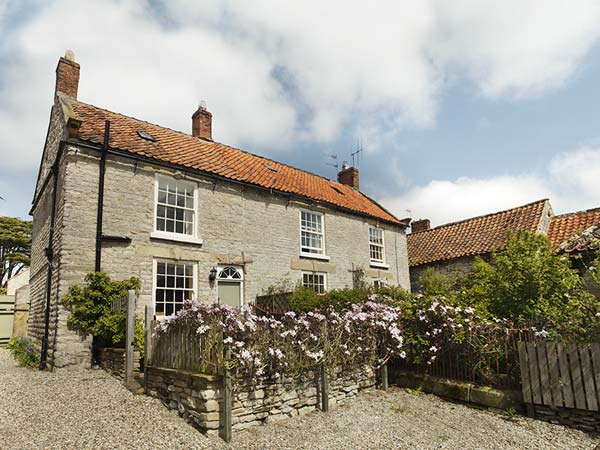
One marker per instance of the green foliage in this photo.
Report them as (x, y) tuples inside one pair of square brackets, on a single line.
[(91, 313), (304, 300), (15, 247), (24, 352), (435, 283), (529, 282)]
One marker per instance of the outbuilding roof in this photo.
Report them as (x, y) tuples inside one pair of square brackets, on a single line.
[(474, 236)]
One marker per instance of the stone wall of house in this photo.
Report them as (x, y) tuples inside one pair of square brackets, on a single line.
[(65, 346), (457, 267), (113, 361), (253, 229), (588, 421), (21, 312), (198, 397)]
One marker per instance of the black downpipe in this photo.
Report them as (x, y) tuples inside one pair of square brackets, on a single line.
[(98, 265), (100, 211), (50, 259)]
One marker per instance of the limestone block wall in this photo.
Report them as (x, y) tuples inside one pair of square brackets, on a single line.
[(584, 420), (457, 267), (113, 361), (198, 397)]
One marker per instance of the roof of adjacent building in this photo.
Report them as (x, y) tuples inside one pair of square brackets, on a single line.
[(475, 236), (566, 226), (184, 150)]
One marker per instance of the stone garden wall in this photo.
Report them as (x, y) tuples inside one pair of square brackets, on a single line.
[(113, 361), (198, 397), (575, 418)]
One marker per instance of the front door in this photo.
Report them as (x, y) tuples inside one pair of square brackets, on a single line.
[(229, 286)]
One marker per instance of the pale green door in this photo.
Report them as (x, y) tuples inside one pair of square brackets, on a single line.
[(230, 293)]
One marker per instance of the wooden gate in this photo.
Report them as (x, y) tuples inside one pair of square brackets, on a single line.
[(7, 315), (563, 375)]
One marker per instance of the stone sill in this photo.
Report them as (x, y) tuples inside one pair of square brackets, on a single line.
[(175, 237), (379, 265), (314, 256)]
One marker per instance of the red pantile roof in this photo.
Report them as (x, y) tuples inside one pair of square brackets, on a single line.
[(207, 156), (473, 236), (566, 226)]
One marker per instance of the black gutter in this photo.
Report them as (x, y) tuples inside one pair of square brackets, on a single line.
[(100, 211), (50, 259), (212, 176)]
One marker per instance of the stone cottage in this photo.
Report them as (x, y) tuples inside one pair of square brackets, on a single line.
[(451, 248), (191, 217)]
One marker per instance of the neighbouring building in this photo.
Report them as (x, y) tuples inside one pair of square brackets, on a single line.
[(191, 217), (450, 249)]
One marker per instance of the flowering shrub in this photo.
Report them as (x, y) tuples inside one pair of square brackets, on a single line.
[(367, 334), (23, 351)]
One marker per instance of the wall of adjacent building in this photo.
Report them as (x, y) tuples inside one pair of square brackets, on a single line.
[(453, 268), (239, 225)]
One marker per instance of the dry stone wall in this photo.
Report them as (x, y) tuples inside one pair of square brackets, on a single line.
[(198, 397), (588, 421), (113, 361)]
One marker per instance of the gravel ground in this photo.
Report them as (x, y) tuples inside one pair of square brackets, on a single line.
[(76, 408)]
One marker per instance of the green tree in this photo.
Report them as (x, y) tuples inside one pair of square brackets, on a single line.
[(530, 283), (91, 312), (15, 247)]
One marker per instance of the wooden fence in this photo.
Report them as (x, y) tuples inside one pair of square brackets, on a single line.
[(273, 304), (181, 348), (560, 375), (487, 358)]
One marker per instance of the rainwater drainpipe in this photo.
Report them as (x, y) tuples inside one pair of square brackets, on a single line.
[(50, 259), (98, 265), (100, 210)]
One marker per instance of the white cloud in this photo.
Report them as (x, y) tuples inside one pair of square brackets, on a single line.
[(571, 182), (379, 65)]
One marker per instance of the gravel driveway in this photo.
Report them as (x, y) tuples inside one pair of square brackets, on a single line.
[(76, 408)]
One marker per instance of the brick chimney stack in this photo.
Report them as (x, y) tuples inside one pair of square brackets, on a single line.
[(348, 175), (67, 75), (202, 123), (420, 225)]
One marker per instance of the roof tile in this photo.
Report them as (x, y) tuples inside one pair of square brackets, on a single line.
[(207, 156), (474, 236), (566, 226)]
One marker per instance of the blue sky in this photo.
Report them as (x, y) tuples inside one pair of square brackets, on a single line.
[(462, 108)]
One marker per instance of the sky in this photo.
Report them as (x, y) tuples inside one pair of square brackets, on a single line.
[(461, 108)]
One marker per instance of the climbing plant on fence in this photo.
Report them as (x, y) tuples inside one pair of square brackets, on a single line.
[(367, 334)]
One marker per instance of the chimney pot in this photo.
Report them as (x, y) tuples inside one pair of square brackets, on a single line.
[(202, 122), (67, 75), (420, 225), (348, 176)]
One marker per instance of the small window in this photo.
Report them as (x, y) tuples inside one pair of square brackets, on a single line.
[(175, 284), (311, 233), (315, 281), (146, 136), (376, 245), (379, 284), (175, 206)]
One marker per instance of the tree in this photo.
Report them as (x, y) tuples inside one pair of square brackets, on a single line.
[(531, 283), (15, 247)]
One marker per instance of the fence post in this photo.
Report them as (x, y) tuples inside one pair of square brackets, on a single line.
[(324, 390), (149, 317), (129, 328), (383, 372), (227, 396)]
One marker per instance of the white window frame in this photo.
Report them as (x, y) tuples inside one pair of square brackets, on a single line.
[(373, 262), (304, 254), (155, 262), (324, 274), (194, 238), (240, 280)]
